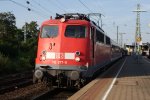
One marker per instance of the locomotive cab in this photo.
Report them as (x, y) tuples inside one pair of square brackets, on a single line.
[(63, 51)]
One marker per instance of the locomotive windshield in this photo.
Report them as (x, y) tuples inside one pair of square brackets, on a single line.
[(76, 31), (49, 31)]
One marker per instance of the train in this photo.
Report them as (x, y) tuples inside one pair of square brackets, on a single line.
[(71, 48), (145, 48)]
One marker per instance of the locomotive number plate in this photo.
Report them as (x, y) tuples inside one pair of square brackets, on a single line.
[(59, 62)]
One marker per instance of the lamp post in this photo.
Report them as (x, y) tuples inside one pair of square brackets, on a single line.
[(121, 34), (117, 40)]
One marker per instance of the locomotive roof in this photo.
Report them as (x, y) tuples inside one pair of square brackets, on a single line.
[(73, 16), (77, 16), (57, 21)]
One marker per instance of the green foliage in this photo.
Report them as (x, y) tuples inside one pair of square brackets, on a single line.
[(9, 48), (5, 63), (24, 64), (4, 60), (30, 29), (7, 25), (8, 66), (16, 54)]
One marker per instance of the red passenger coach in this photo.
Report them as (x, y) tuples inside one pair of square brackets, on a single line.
[(71, 48)]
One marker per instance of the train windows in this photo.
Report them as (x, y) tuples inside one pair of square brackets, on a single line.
[(99, 36), (76, 31), (108, 40), (49, 31)]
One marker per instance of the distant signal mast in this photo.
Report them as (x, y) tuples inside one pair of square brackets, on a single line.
[(138, 38)]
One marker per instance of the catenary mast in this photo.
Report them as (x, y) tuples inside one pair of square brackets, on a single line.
[(138, 38)]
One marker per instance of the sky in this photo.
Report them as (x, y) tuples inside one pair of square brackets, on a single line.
[(116, 13)]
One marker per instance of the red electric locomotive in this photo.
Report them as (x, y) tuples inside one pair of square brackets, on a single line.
[(72, 48)]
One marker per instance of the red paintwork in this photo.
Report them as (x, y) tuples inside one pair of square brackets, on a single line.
[(65, 44)]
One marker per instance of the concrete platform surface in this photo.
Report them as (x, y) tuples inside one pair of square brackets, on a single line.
[(128, 79)]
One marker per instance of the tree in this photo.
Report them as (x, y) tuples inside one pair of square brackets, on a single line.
[(31, 29), (15, 54), (7, 25), (29, 47), (8, 40)]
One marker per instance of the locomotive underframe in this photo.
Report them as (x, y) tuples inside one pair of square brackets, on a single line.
[(61, 76)]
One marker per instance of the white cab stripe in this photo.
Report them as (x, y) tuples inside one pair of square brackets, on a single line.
[(50, 55), (54, 55), (69, 56)]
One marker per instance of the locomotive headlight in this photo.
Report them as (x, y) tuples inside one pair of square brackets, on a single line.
[(77, 53), (62, 20), (77, 59), (43, 58)]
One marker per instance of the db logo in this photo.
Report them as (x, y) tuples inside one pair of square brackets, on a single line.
[(59, 55)]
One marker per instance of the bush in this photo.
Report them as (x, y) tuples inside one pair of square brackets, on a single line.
[(4, 63), (3, 60), (9, 49), (24, 64), (10, 66)]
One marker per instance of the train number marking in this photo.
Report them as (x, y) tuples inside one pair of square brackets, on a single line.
[(59, 62)]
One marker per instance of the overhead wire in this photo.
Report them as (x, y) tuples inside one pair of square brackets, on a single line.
[(44, 8), (29, 9), (38, 11), (61, 5), (19, 4), (33, 6), (89, 10), (85, 6), (57, 6)]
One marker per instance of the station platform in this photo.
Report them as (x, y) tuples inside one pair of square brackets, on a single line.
[(127, 79)]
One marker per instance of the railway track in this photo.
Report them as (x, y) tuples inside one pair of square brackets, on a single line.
[(33, 91), (10, 89), (65, 93), (12, 82), (57, 94)]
